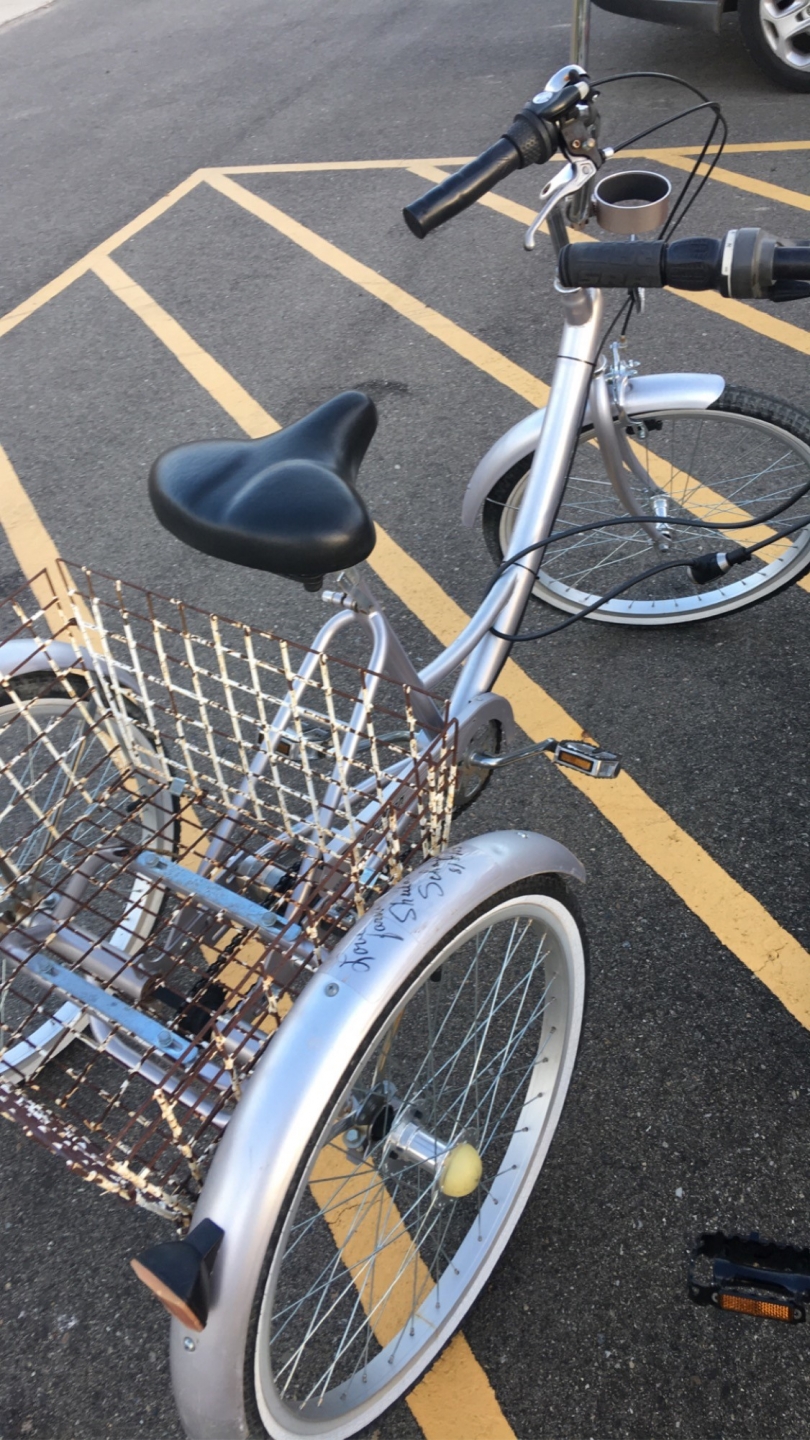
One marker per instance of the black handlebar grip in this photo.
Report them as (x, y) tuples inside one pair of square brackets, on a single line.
[(791, 262), (462, 189), (613, 265), (694, 264)]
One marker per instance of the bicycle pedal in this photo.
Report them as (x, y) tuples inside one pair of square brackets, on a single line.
[(744, 1275), (179, 1273), (587, 758)]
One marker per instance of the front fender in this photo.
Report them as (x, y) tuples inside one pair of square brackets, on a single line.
[(282, 1104), (643, 394)]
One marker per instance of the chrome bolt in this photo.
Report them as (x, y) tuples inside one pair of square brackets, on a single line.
[(189, 1344), (353, 1138), (331, 989)]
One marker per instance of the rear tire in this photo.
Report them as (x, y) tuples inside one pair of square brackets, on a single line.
[(60, 797), (371, 1269), (765, 26)]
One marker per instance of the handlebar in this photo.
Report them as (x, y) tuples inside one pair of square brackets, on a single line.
[(531, 139), (462, 189), (748, 264)]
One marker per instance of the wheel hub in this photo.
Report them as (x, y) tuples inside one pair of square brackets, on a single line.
[(456, 1165)]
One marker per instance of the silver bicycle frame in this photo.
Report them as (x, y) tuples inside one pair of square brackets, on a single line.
[(579, 395)]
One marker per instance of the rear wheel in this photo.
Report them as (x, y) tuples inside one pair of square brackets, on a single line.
[(738, 459), (69, 794), (386, 1235), (777, 36)]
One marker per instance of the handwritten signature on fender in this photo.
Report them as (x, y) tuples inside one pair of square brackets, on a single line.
[(427, 885)]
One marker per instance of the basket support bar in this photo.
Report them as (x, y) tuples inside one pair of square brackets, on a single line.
[(193, 886), (100, 1002)]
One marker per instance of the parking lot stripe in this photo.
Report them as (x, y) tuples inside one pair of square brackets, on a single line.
[(491, 361), (680, 160), (34, 549), (455, 1401), (315, 165), (208, 373), (748, 147), (735, 916), (56, 286)]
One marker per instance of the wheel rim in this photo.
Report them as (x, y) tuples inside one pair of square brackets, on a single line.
[(786, 27), (63, 777), (372, 1271), (708, 463)]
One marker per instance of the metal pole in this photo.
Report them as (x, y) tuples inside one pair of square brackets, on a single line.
[(580, 32)]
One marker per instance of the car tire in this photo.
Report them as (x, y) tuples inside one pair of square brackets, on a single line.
[(785, 61)]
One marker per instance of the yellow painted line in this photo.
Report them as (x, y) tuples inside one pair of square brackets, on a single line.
[(757, 320), (738, 920), (455, 1401), (203, 367), (750, 147), (316, 165), (61, 282), (35, 551), (483, 356), (749, 183)]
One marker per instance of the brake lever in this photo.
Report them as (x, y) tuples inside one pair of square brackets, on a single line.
[(572, 178), (789, 290)]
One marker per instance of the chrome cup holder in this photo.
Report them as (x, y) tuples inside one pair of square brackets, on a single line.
[(631, 202)]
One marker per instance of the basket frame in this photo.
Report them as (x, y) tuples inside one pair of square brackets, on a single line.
[(343, 816)]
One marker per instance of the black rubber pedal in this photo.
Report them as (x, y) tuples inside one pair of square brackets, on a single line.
[(745, 1275)]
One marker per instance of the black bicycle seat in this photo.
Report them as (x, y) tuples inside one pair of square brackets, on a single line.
[(285, 503)]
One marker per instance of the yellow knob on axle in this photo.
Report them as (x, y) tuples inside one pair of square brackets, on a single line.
[(461, 1172)]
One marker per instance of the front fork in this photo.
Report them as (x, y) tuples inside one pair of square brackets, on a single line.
[(619, 457)]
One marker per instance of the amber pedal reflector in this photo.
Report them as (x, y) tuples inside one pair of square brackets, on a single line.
[(763, 1309), (579, 762)]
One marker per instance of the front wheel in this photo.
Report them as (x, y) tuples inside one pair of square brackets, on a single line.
[(777, 36), (738, 459), (422, 1163)]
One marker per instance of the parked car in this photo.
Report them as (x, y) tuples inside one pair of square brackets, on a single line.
[(776, 32)]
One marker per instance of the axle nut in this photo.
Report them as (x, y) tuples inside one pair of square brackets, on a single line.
[(461, 1172)]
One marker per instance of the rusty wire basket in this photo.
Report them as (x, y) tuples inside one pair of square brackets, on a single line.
[(192, 812)]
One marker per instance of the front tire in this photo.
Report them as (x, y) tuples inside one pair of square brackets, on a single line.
[(738, 458), (777, 36), (371, 1268)]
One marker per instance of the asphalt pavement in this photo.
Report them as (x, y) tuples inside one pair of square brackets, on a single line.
[(691, 1102)]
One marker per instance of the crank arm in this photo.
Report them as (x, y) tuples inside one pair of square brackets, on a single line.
[(570, 754)]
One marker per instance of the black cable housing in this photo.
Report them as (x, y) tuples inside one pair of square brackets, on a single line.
[(739, 557)]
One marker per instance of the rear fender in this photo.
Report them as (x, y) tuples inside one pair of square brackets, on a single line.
[(282, 1103), (29, 656)]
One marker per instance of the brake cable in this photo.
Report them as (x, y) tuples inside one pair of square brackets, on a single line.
[(740, 555)]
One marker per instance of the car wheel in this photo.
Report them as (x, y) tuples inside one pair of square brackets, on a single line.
[(777, 36)]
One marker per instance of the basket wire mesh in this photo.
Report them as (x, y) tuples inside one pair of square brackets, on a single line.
[(192, 812)]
